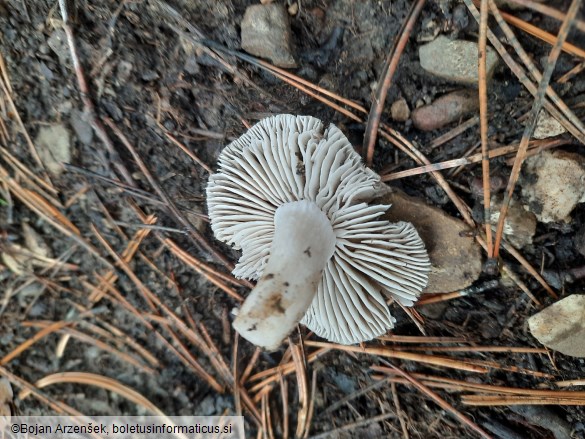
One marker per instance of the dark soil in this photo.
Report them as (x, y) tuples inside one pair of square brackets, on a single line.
[(148, 80)]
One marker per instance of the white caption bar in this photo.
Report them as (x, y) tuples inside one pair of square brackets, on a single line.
[(122, 427)]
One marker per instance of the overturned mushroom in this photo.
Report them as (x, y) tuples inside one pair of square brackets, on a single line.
[(293, 195)]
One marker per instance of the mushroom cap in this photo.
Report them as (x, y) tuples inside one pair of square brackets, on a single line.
[(288, 158)]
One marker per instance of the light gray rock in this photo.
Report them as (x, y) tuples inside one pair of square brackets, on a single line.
[(553, 183), (547, 126), (445, 110), (54, 147), (561, 326), (520, 224), (455, 256), (58, 44), (266, 33), (81, 126), (455, 60)]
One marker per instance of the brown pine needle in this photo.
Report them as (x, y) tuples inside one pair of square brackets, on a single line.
[(402, 355), (442, 403), (388, 73), (483, 116), (101, 381), (57, 406)]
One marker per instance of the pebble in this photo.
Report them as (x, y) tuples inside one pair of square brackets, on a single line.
[(561, 326), (519, 226), (399, 110), (266, 33), (58, 44), (553, 183), (455, 256), (455, 60), (445, 110), (54, 147), (81, 127), (547, 126)]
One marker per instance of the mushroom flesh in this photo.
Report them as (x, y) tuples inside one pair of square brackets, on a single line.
[(294, 196)]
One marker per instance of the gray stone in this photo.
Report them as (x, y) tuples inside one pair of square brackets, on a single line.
[(547, 126), (58, 44), (81, 126), (455, 256), (54, 147), (520, 224), (266, 33), (455, 60), (445, 110), (553, 184), (561, 326)]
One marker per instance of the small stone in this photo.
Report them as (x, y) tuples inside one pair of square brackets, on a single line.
[(58, 44), (293, 9), (455, 256), (191, 66), (519, 226), (123, 71), (455, 60), (561, 326), (150, 75), (547, 126), (400, 111), (445, 110), (54, 146), (83, 130), (553, 183), (266, 33)]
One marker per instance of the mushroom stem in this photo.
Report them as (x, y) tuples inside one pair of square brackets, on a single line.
[(303, 242)]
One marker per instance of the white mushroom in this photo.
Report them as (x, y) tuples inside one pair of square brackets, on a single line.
[(293, 195)]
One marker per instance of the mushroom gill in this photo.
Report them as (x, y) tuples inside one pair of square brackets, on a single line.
[(289, 184)]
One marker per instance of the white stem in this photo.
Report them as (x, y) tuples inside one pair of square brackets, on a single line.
[(303, 243)]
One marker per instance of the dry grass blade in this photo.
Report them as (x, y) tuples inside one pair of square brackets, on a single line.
[(98, 381), (483, 116), (537, 105), (39, 336), (197, 237), (533, 70), (544, 36), (442, 403), (85, 96), (123, 356), (211, 275), (547, 10), (388, 73), (127, 255), (475, 158), (420, 339), (6, 89), (57, 406), (521, 75), (353, 425), (190, 153), (402, 355), (303, 389), (494, 400)]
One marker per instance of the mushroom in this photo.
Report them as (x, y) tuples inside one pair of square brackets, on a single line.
[(294, 197)]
